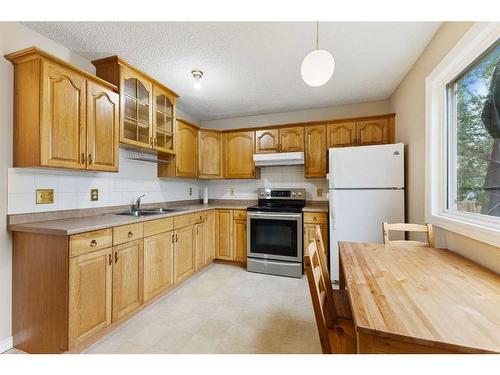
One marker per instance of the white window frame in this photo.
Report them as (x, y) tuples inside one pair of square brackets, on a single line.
[(483, 228)]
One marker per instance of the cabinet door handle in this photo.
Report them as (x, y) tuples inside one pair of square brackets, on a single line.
[(110, 261), (130, 234), (116, 256), (93, 243), (90, 159), (172, 238), (83, 158), (176, 238)]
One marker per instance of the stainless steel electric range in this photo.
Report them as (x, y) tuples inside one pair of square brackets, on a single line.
[(275, 232)]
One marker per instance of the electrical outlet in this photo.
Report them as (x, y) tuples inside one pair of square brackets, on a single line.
[(44, 196), (94, 195), (231, 192), (319, 192), (190, 191)]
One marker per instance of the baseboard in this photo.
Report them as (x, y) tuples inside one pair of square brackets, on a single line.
[(6, 344)]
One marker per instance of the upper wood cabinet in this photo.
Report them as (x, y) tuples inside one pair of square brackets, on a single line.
[(63, 117), (147, 107), (238, 154), (372, 132), (342, 134), (363, 132), (209, 154), (315, 151), (291, 139), (102, 128), (287, 139), (185, 162), (267, 141)]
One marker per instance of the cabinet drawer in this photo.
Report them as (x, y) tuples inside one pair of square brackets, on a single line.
[(183, 221), (200, 217), (158, 226), (90, 241), (127, 233), (239, 214), (315, 218)]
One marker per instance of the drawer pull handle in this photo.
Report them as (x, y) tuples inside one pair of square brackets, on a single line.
[(93, 243), (130, 234)]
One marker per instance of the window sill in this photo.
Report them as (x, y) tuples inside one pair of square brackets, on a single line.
[(457, 223)]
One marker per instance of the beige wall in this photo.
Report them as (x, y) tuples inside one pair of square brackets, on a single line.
[(408, 101), (316, 114)]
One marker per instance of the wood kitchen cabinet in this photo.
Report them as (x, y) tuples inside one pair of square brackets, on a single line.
[(127, 278), (158, 263), (224, 235), (361, 132), (209, 154), (184, 163), (238, 148), (63, 117), (311, 220), (90, 281), (240, 235), (315, 154), (286, 139), (147, 107), (200, 241), (342, 134), (210, 235), (184, 257)]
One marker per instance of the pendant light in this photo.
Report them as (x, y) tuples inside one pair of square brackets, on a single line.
[(318, 66)]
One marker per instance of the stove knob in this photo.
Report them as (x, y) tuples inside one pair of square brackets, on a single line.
[(299, 193), (294, 194), (268, 194)]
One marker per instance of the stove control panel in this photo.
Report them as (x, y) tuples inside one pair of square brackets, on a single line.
[(299, 194)]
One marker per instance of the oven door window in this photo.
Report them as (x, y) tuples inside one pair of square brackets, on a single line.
[(274, 237)]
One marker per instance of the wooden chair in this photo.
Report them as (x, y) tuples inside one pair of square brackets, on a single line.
[(331, 307), (404, 227)]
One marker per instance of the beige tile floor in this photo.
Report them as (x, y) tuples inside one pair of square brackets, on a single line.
[(224, 309)]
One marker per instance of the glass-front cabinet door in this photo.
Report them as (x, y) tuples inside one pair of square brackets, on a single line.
[(163, 120), (137, 114)]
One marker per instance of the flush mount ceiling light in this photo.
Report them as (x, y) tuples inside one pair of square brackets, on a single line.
[(197, 74), (318, 66)]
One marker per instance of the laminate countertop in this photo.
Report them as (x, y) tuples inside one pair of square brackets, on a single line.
[(81, 224)]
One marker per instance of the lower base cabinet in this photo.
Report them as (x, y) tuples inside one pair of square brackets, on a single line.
[(199, 235), (183, 253), (90, 277), (311, 220), (127, 278), (210, 237), (158, 264), (240, 236), (223, 230)]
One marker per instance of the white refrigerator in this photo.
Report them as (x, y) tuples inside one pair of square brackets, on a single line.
[(366, 188)]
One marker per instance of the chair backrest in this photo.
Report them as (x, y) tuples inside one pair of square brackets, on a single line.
[(318, 294), (320, 247), (405, 227)]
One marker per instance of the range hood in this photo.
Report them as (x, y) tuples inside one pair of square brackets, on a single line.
[(279, 158)]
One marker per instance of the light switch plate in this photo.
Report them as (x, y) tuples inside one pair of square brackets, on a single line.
[(44, 196), (94, 195), (190, 191), (319, 192), (232, 192)]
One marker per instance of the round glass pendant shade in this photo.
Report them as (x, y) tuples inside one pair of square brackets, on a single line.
[(317, 67)]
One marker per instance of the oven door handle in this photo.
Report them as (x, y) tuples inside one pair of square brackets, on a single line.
[(266, 215)]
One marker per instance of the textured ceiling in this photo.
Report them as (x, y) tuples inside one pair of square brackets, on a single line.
[(254, 67)]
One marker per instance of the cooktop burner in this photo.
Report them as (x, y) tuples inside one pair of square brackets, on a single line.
[(280, 200)]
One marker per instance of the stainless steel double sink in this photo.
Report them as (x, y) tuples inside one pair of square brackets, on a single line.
[(150, 211)]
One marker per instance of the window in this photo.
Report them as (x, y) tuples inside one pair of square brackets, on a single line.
[(473, 102), (462, 136)]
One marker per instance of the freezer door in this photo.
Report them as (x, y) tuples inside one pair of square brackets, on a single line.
[(357, 215), (367, 167)]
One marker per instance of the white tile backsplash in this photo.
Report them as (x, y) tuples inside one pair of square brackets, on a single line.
[(271, 177), (72, 189)]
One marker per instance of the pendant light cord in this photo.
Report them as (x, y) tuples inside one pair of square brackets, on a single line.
[(317, 34)]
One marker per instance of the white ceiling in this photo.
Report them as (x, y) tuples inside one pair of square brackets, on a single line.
[(254, 67)]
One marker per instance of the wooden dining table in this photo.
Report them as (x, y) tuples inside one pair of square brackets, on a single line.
[(411, 299)]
